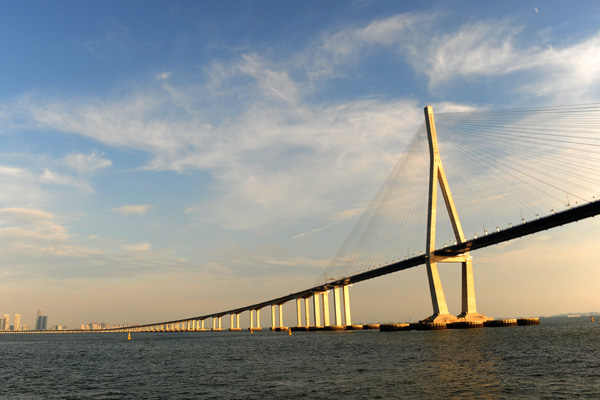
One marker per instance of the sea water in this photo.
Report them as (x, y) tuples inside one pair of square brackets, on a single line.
[(558, 359)]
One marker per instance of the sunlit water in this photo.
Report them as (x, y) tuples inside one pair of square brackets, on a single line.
[(558, 359)]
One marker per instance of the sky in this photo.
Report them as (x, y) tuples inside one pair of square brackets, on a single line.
[(162, 160)]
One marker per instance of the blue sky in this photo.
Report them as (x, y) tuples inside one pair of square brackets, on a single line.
[(167, 159)]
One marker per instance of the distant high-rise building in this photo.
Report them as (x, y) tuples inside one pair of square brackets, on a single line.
[(5, 323), (41, 322), (38, 319), (17, 324)]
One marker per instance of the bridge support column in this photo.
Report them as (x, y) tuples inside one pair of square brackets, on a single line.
[(281, 316), (273, 325), (251, 319), (347, 314), (306, 312), (231, 321), (237, 317), (469, 306), (325, 308), (258, 319), (298, 312), (337, 306), (468, 289), (317, 309)]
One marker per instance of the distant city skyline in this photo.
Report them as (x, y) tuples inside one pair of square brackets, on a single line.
[(164, 160)]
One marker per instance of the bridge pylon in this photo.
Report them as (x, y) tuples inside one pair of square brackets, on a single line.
[(437, 176)]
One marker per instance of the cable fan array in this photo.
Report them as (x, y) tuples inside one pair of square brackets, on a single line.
[(504, 167)]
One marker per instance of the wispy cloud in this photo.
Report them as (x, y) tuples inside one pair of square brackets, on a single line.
[(133, 209), (51, 177), (31, 224), (485, 49), (494, 48), (137, 247), (86, 163)]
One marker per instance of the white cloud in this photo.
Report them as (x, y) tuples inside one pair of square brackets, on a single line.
[(486, 48), (11, 171), (50, 177), (133, 209), (340, 50), (493, 48), (163, 76), (30, 223), (139, 247), (86, 163)]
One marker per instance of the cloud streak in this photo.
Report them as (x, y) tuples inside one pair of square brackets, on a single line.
[(133, 209)]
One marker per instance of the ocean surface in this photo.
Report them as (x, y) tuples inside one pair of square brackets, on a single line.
[(558, 359)]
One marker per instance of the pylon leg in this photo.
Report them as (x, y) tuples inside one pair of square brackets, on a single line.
[(469, 305), (440, 308)]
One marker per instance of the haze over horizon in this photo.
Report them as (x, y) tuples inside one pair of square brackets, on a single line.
[(163, 160)]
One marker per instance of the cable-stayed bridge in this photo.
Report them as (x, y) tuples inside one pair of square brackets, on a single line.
[(501, 175)]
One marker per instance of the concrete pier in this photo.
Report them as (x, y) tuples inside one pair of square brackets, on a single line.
[(396, 327), (281, 326), (306, 312), (371, 326), (316, 310), (354, 327), (273, 325), (465, 325), (347, 315), (298, 312), (300, 328), (337, 306), (335, 328), (325, 299), (500, 323), (252, 327), (528, 321)]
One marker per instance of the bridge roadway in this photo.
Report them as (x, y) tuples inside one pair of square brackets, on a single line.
[(572, 214)]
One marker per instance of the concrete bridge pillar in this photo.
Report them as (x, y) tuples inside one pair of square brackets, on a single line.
[(251, 319), (317, 309), (298, 312), (337, 306), (237, 317), (347, 314), (325, 299), (273, 325), (281, 315), (258, 319), (306, 312)]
